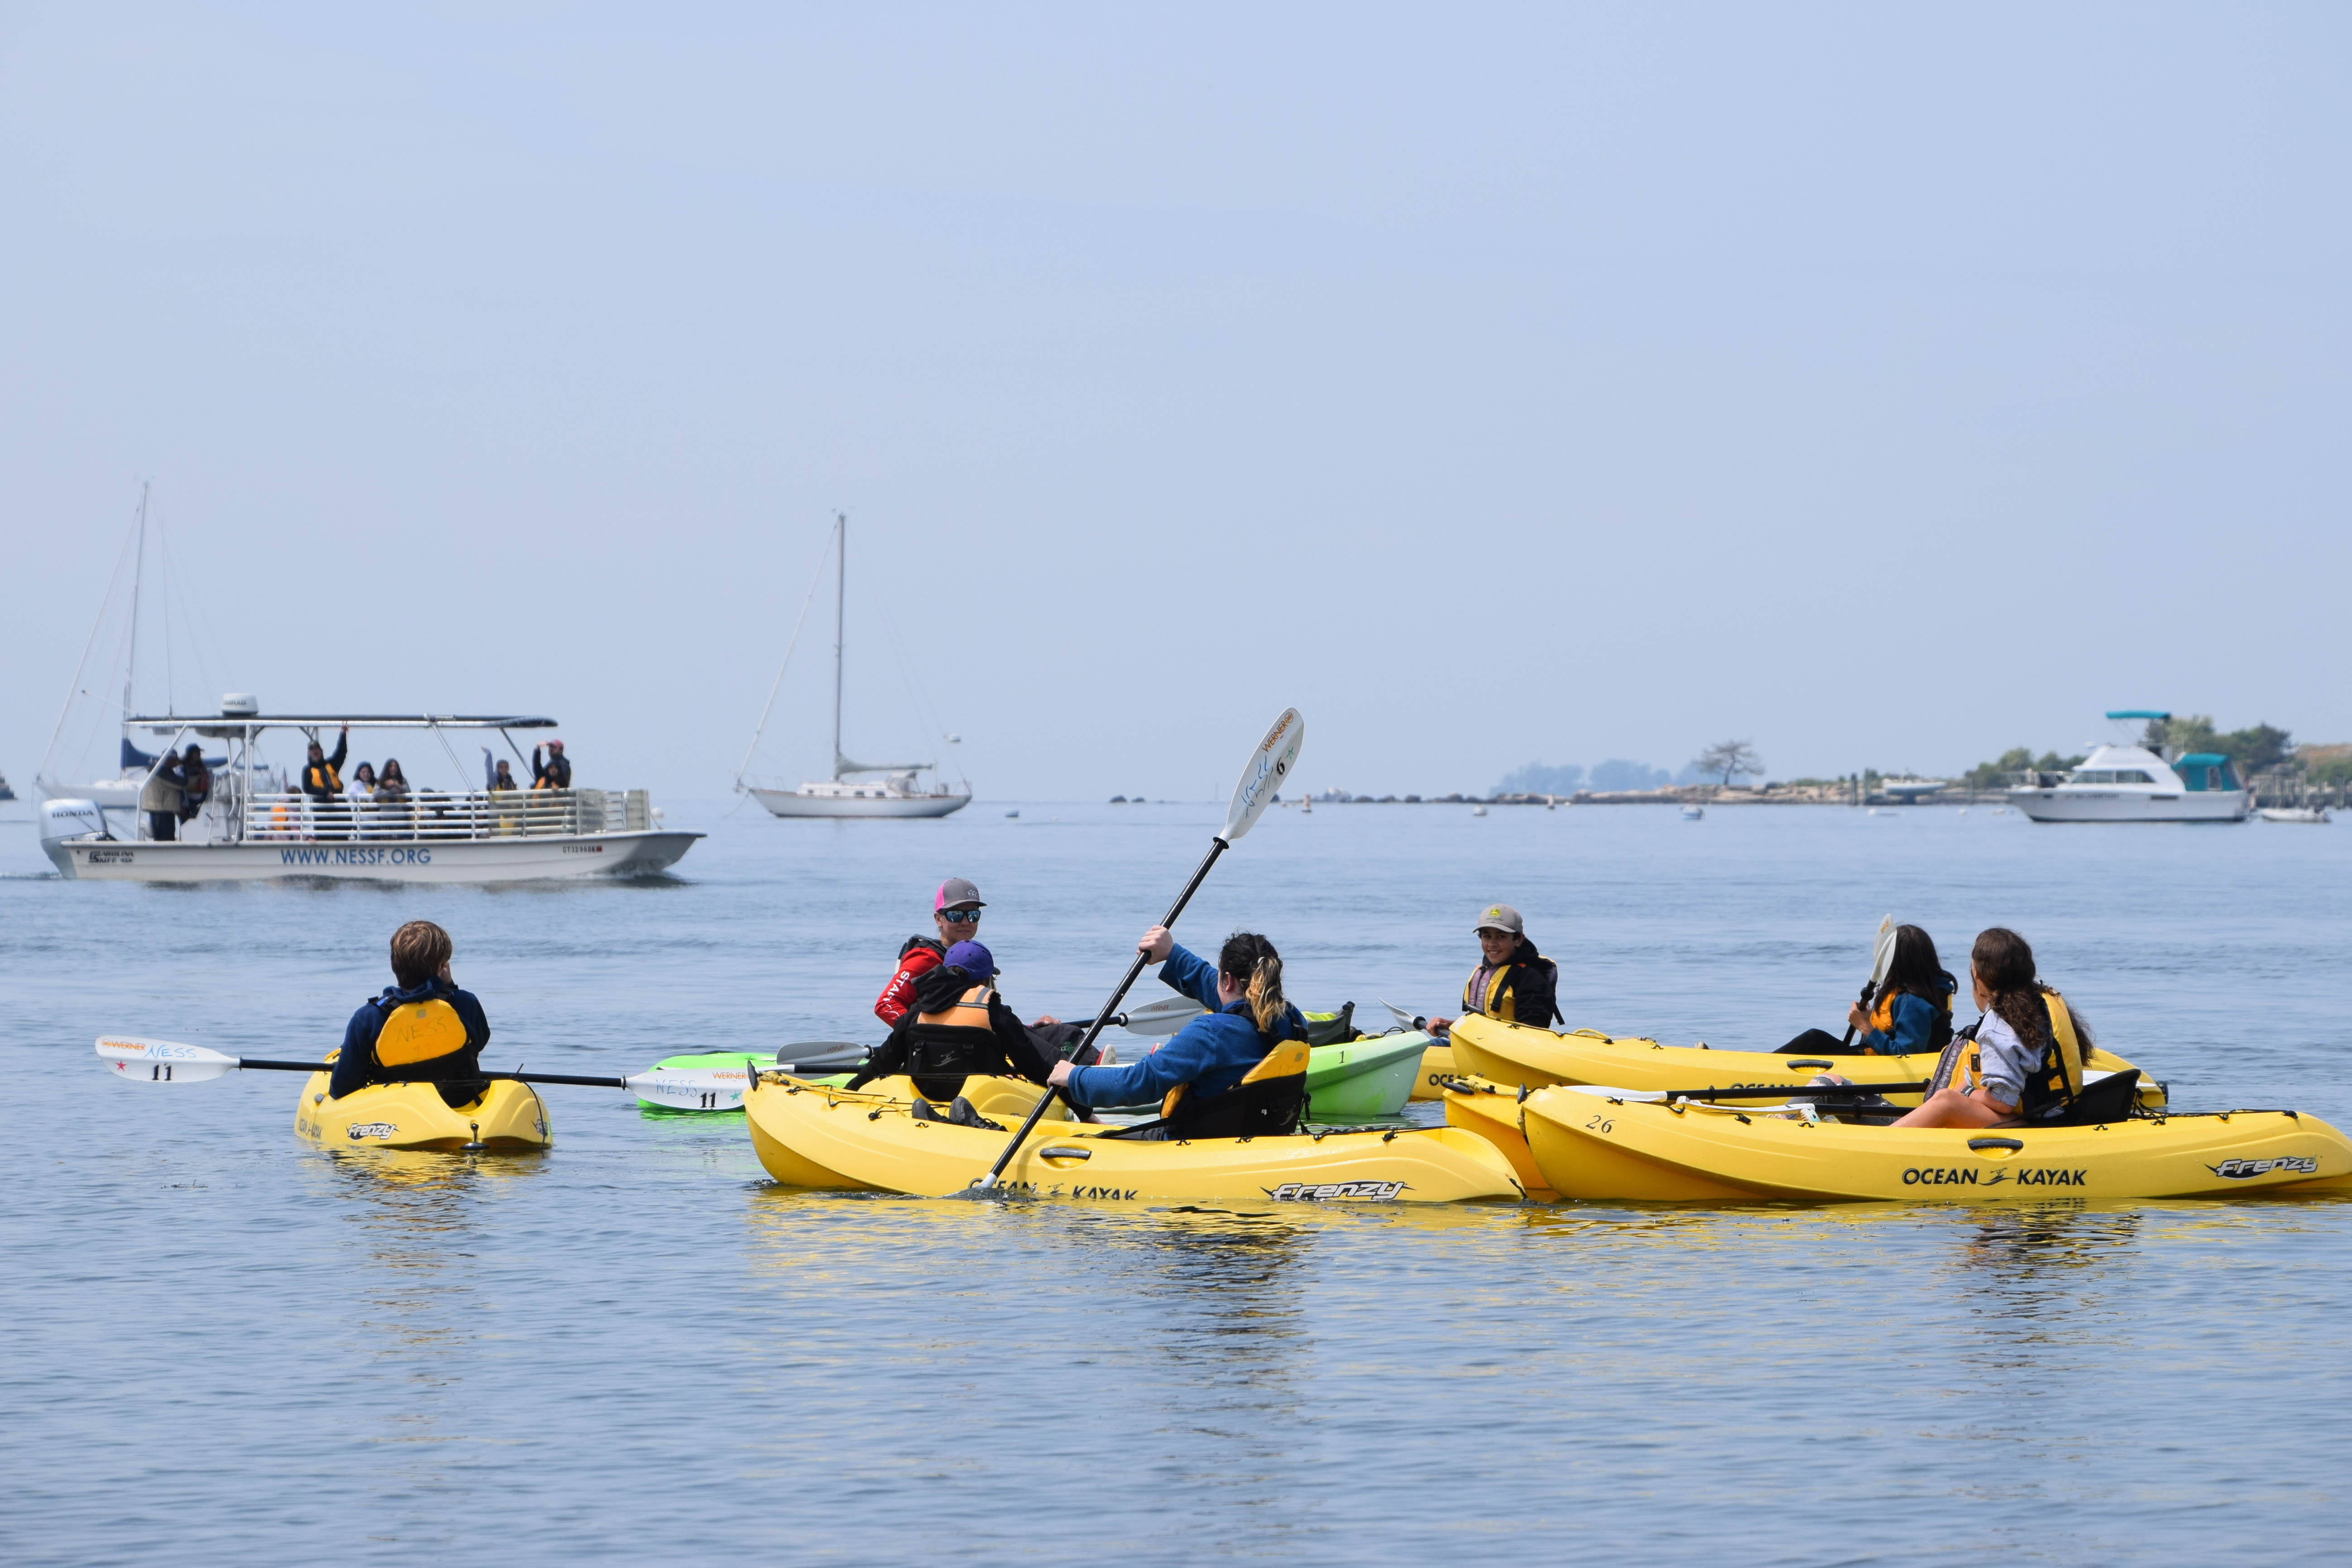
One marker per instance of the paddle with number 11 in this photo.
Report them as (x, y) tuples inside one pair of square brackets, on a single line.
[(1268, 766)]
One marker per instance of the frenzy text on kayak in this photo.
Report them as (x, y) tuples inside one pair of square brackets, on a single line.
[(2239, 1170), (359, 1130), (1323, 1192)]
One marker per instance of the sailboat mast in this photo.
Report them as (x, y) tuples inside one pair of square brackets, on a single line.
[(137, 569), (840, 618)]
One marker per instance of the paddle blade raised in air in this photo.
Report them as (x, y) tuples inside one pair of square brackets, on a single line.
[(1268, 766)]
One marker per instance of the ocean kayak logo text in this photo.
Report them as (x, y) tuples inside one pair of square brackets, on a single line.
[(1972, 1176), (2239, 1170), (1324, 1191)]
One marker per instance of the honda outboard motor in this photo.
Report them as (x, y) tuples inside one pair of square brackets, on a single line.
[(67, 819)]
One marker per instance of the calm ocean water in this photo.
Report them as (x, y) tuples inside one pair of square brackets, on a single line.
[(226, 1346)]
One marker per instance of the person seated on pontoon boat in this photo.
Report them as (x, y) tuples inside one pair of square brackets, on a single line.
[(392, 788), (958, 1027), (555, 773), (2022, 1062), (1237, 1072), (362, 784), (423, 1029), (1911, 1014), (1512, 982)]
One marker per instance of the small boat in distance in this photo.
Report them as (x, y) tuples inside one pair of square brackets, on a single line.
[(2131, 783), (898, 792), (2306, 814)]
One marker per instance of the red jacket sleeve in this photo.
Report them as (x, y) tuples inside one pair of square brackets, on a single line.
[(899, 995)]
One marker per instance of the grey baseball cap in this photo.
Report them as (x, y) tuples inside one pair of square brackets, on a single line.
[(1501, 917), (956, 891)]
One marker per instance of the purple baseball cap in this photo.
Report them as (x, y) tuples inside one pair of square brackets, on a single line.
[(972, 959)]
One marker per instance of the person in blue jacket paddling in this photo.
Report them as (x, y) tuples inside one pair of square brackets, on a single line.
[(1913, 1010), (1207, 1058)]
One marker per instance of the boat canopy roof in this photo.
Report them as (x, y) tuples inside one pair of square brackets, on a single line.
[(2205, 759), (256, 722), (2136, 713)]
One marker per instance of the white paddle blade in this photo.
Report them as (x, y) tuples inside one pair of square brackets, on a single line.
[(692, 1089), (1404, 1019), (1268, 766), (1162, 1018), (161, 1061), (1882, 957)]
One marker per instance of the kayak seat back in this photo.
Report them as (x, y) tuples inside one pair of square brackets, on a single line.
[(1266, 1103), (419, 1031), (2109, 1099), (1331, 1029)]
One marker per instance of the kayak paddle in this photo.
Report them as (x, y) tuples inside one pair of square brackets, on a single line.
[(1267, 767), (166, 1061), (1152, 1018), (1404, 1019), (1882, 958)]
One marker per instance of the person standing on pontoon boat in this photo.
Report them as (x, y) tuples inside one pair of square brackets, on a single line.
[(1512, 982), (553, 773), (495, 776), (195, 781)]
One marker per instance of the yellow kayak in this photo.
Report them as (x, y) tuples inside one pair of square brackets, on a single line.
[(1518, 1054), (1589, 1144), (816, 1137), (413, 1116), (1492, 1111)]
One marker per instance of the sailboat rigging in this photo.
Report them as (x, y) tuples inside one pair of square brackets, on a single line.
[(849, 792)]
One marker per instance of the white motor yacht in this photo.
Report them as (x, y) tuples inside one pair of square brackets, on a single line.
[(2131, 783)]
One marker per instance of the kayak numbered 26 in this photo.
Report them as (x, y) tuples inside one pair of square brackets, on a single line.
[(807, 1135)]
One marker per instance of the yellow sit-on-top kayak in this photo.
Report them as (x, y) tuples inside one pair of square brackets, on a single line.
[(1590, 1142), (1520, 1055), (810, 1136), (1492, 1111), (1437, 1065), (413, 1116)]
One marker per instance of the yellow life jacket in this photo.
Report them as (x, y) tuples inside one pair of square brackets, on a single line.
[(1498, 1002), (1882, 1016), (968, 1011), (419, 1031)]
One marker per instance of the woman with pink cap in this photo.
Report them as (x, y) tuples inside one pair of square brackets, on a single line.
[(955, 911)]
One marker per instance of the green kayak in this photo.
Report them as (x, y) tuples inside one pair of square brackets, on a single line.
[(823, 1061), (1363, 1078)]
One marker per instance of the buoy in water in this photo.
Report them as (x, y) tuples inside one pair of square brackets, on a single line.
[(1477, 811)]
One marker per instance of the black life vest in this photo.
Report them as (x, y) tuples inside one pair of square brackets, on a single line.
[(1267, 1103), (1500, 997), (945, 1046)]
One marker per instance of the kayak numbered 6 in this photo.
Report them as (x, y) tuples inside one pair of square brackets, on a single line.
[(1520, 1055), (807, 1135)]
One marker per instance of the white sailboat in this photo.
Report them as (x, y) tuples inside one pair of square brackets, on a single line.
[(853, 790)]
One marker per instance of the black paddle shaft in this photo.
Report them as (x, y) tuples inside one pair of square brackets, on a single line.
[(251, 1064), (1868, 988), (1804, 1088), (1104, 1014)]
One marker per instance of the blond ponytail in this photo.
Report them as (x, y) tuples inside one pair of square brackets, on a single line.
[(1267, 1002)]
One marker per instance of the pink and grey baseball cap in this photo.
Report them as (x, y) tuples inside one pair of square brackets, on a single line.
[(956, 891)]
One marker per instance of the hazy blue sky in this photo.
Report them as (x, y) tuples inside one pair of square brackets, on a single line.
[(1889, 385)]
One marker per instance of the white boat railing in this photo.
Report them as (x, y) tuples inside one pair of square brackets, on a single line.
[(436, 816)]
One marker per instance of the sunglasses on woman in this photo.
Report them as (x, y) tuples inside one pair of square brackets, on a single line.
[(961, 917)]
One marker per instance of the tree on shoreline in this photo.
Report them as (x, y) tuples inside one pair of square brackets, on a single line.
[(1729, 757)]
